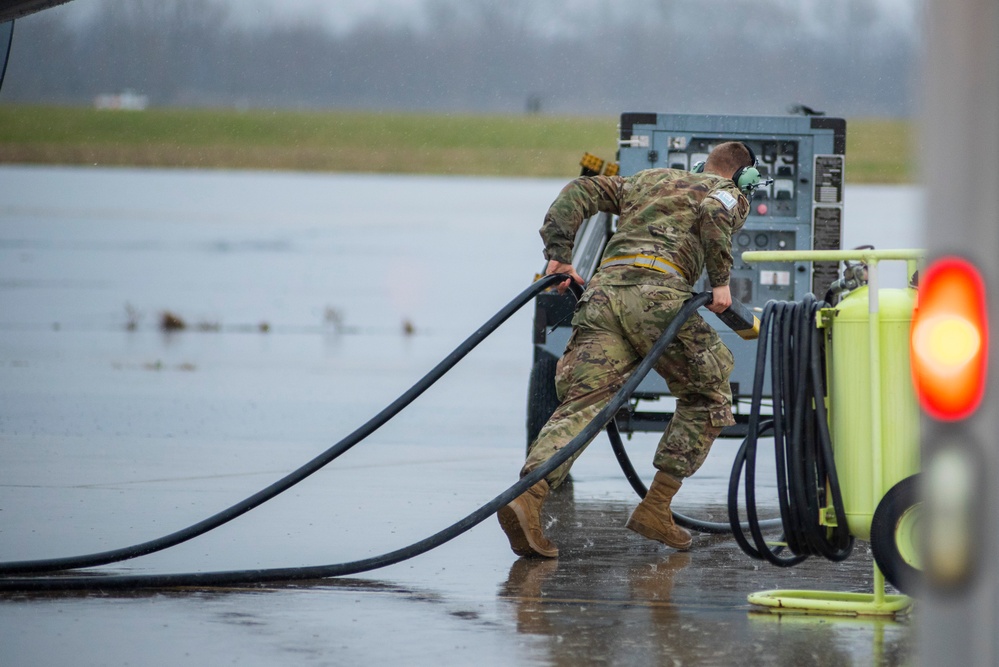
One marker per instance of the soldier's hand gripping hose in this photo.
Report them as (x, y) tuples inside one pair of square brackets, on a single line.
[(555, 266)]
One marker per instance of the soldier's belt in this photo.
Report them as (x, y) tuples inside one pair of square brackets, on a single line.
[(644, 262)]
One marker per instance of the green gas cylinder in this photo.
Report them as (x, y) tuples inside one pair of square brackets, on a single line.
[(874, 416)]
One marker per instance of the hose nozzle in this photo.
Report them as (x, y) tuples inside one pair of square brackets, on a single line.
[(741, 320)]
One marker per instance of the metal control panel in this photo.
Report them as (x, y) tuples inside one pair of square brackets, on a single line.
[(802, 209)]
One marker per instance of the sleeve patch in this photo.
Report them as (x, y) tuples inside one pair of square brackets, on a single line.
[(727, 200)]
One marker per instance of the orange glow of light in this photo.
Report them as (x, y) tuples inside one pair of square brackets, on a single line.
[(949, 340)]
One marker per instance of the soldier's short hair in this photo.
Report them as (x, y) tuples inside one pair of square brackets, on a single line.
[(728, 157)]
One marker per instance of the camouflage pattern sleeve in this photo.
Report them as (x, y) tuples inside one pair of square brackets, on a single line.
[(579, 200), (723, 213)]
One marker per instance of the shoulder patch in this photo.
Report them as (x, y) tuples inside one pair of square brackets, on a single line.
[(727, 200)]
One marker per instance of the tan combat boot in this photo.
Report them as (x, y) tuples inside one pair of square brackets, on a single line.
[(521, 521), (653, 519)]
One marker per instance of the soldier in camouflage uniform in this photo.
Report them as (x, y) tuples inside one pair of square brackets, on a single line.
[(672, 225)]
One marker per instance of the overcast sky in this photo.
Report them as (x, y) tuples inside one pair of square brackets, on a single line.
[(342, 15), (345, 14), (339, 14)]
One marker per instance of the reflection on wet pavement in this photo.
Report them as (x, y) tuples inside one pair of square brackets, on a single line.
[(630, 601)]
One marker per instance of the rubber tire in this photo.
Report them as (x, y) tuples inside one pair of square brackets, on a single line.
[(541, 397), (897, 504)]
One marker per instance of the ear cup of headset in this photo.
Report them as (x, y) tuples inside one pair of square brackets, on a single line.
[(738, 175), (748, 177)]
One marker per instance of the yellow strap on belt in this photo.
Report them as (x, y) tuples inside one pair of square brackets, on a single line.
[(644, 262)]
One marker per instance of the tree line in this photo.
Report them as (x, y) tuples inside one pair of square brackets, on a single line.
[(849, 57)]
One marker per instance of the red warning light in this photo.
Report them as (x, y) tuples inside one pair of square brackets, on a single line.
[(949, 339)]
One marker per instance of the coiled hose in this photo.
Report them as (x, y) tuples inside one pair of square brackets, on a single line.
[(806, 470), (261, 576)]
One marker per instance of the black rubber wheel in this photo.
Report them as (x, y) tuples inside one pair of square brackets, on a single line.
[(541, 397), (894, 535)]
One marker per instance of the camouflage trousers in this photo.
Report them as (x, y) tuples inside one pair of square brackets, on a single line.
[(613, 329)]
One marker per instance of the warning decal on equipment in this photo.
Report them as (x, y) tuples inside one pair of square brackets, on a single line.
[(774, 278), (727, 200)]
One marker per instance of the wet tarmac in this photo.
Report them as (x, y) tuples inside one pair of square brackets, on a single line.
[(612, 597), (113, 434)]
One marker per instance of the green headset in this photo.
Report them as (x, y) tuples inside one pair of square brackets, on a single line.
[(747, 178)]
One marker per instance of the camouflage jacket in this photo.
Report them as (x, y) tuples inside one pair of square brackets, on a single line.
[(687, 219)]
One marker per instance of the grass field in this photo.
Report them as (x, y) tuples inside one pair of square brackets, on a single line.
[(878, 151)]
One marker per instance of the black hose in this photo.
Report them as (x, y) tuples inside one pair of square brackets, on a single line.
[(260, 576), (296, 476), (690, 523), (802, 445)]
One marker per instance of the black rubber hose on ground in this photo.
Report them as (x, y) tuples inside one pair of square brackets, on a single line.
[(802, 445), (690, 523), (262, 576), (296, 476)]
